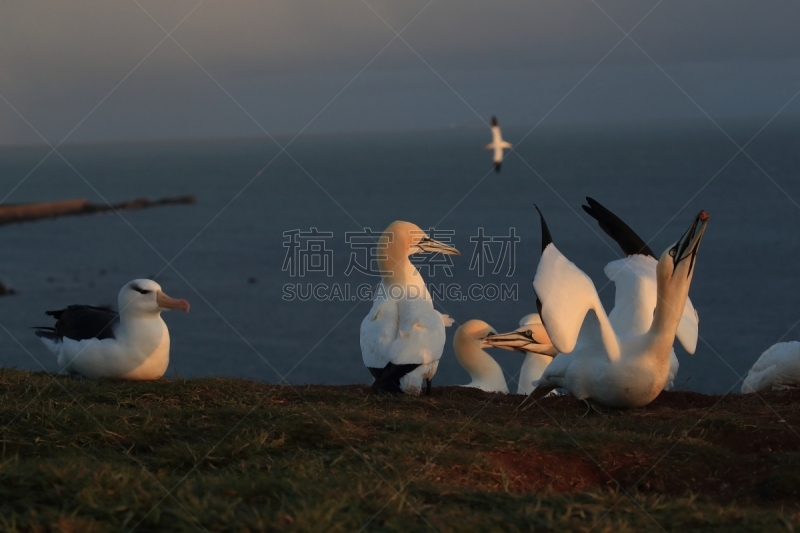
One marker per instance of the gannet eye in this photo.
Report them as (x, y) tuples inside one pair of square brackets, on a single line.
[(672, 252), (529, 334)]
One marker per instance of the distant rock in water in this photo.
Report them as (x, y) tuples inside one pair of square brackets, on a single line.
[(15, 213), (5, 291)]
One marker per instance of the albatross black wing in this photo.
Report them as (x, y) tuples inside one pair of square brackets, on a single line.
[(79, 322), (618, 230)]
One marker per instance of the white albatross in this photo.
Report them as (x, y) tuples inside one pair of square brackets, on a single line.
[(96, 342), (403, 336), (599, 359), (475, 335), (778, 368), (497, 144)]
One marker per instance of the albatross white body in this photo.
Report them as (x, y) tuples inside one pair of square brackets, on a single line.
[(620, 360), (98, 343), (403, 336)]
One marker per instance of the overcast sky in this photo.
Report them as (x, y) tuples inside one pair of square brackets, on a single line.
[(100, 70)]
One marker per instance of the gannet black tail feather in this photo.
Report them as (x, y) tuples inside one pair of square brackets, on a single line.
[(387, 379)]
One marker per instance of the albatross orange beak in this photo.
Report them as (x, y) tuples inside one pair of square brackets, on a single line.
[(166, 302)]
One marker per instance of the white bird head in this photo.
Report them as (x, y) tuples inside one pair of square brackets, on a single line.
[(144, 296)]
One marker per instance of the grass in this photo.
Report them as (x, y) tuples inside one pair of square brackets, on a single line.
[(235, 455)]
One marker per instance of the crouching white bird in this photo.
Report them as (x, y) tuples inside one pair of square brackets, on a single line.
[(599, 360), (497, 144), (636, 286), (96, 342), (777, 369), (403, 336), (531, 339)]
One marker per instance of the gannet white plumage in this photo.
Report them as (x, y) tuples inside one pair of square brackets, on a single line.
[(602, 360), (403, 336), (497, 144), (778, 368), (96, 342), (636, 287)]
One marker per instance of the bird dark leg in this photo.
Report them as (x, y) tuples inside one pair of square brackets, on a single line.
[(428, 387)]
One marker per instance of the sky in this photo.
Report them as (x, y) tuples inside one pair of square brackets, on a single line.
[(94, 71)]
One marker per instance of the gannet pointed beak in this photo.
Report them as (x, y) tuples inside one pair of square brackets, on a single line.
[(687, 245), (167, 302), (521, 340), (428, 245)]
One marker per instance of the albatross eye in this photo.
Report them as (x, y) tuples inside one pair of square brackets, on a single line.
[(140, 290)]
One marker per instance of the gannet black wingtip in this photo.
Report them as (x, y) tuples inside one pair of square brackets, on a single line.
[(546, 238), (494, 120), (627, 239)]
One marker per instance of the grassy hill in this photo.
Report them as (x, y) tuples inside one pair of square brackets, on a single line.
[(235, 455)]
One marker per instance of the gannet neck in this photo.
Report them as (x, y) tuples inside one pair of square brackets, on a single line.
[(399, 241), (394, 247), (532, 369), (667, 315), (607, 333), (486, 374)]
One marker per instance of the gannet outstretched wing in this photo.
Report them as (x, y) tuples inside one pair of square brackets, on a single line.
[(635, 281), (566, 296)]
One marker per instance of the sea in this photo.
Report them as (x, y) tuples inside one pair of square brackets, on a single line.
[(277, 261)]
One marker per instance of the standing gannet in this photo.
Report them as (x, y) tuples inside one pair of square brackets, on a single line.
[(777, 369), (99, 343), (531, 338), (599, 360), (636, 286), (402, 337), (497, 144)]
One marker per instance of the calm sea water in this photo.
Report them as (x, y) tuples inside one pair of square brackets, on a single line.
[(228, 250)]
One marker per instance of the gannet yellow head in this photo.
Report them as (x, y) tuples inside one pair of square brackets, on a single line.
[(409, 239)]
